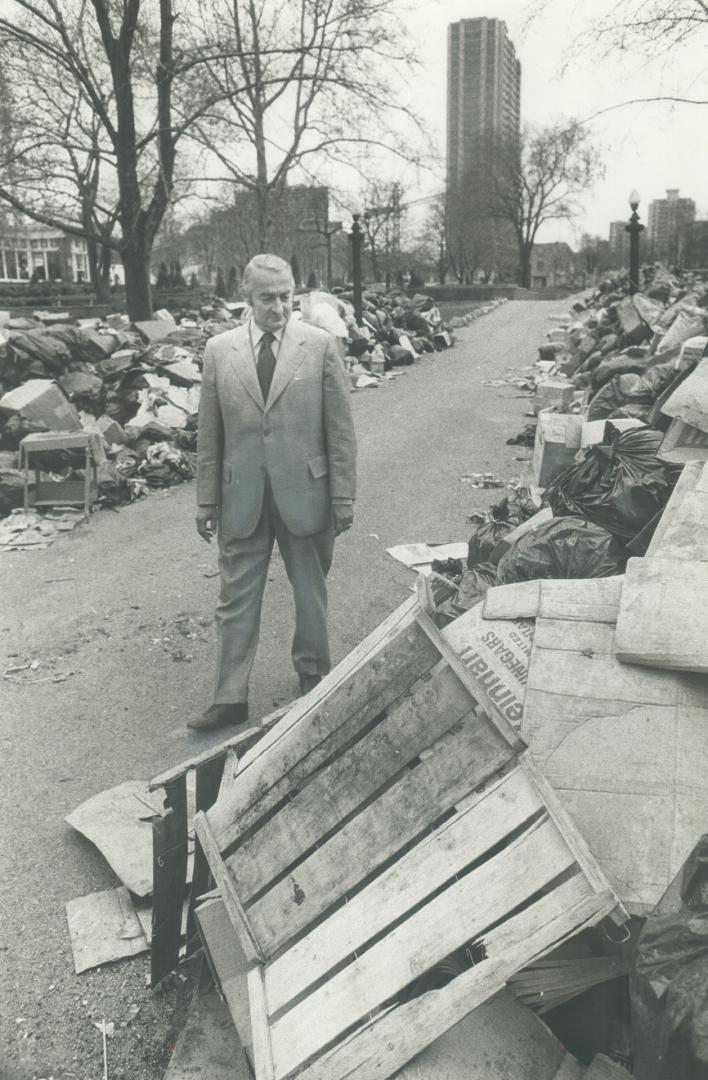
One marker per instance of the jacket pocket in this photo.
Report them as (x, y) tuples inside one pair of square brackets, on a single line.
[(226, 473), (318, 466)]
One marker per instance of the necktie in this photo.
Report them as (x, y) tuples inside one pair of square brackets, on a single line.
[(266, 364)]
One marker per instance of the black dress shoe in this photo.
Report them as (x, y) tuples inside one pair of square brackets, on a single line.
[(218, 716), (308, 682)]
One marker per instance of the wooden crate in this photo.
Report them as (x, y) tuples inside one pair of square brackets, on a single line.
[(384, 828)]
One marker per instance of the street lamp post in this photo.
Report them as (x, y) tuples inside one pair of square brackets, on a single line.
[(635, 229), (356, 236)]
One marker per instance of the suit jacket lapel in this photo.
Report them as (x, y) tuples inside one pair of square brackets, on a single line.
[(290, 356), (244, 365)]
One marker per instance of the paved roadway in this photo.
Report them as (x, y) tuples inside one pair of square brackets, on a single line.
[(110, 604)]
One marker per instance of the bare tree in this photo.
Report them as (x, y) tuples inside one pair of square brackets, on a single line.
[(298, 80), (381, 221), (541, 179), (106, 154)]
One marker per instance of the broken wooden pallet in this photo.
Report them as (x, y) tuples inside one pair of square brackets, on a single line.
[(372, 836)]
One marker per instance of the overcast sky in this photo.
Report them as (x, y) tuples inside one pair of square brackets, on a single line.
[(649, 147)]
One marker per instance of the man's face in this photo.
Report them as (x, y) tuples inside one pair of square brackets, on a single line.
[(271, 299)]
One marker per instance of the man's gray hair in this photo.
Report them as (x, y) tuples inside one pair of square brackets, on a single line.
[(273, 263)]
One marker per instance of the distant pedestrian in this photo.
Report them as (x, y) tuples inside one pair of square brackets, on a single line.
[(276, 460)]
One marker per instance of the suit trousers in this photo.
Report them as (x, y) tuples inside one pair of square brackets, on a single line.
[(244, 572)]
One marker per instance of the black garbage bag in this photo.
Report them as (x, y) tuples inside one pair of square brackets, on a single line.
[(473, 586), (484, 539), (566, 547), (619, 484), (669, 983)]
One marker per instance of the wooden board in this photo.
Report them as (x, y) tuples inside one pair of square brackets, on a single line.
[(518, 600), (685, 535), (306, 738), (411, 726), (663, 618), (460, 914), (227, 961), (683, 443), (690, 475), (484, 820), (454, 766), (689, 402), (169, 879), (577, 599), (380, 1047), (622, 745)]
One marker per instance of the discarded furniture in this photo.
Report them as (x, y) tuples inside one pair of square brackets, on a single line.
[(390, 823), (61, 492)]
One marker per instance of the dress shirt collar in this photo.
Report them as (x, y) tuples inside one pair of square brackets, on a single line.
[(257, 334)]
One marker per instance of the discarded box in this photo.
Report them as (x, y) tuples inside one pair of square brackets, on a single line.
[(621, 745), (595, 431), (557, 442), (356, 800), (553, 393), (42, 401)]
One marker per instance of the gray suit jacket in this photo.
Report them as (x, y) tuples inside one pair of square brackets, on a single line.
[(302, 440)]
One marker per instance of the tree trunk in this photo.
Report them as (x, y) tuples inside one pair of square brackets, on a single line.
[(138, 291), (97, 271), (525, 265)]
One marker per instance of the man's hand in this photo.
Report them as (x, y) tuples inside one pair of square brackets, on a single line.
[(206, 522), (342, 516)]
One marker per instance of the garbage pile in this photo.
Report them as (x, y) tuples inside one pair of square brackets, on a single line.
[(620, 403), (396, 329), (137, 387)]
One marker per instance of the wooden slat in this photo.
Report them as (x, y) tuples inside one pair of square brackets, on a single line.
[(414, 723), (169, 880), (686, 482), (518, 600), (260, 1030), (207, 781), (462, 912), (227, 961), (486, 819), (593, 600), (238, 917), (387, 1043), (303, 748), (453, 767), (404, 615)]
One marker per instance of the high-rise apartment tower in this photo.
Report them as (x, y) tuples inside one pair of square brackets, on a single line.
[(483, 93)]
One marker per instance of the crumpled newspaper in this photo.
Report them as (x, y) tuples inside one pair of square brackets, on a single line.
[(30, 529)]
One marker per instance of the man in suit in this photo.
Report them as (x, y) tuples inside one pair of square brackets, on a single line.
[(276, 458)]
